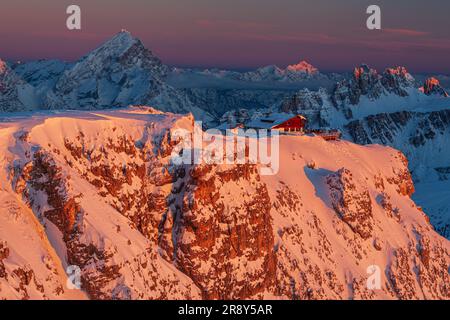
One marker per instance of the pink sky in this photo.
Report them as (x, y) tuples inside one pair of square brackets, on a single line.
[(238, 34)]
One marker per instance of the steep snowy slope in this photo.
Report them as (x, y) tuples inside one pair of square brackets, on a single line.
[(117, 261), (15, 93), (424, 138), (41, 74), (29, 265), (99, 190)]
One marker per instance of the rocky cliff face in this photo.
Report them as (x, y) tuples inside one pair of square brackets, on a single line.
[(352, 202), (101, 192), (225, 246), (422, 136), (367, 82)]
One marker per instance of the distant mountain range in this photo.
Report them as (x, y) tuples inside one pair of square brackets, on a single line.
[(123, 72), (392, 108), (98, 189)]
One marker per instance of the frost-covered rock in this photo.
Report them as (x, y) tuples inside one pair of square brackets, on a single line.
[(351, 201)]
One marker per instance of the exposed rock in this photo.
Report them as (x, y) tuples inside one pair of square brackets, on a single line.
[(432, 86), (351, 202), (397, 80)]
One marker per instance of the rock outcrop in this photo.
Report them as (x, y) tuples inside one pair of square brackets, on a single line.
[(432, 86)]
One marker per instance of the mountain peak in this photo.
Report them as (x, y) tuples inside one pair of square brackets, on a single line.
[(116, 47), (399, 70), (433, 86), (122, 38), (302, 66), (363, 69)]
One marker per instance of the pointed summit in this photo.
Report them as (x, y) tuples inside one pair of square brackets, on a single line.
[(397, 80), (119, 73), (433, 86), (364, 71), (302, 66), (119, 43), (400, 72), (292, 73), (124, 35), (122, 49)]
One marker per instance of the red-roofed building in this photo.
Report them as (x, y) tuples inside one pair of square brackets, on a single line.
[(282, 122)]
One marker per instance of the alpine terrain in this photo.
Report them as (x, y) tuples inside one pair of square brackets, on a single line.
[(94, 205)]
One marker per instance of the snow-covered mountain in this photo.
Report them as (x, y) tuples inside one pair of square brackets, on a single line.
[(294, 73), (365, 93), (15, 93), (121, 72), (99, 190), (219, 91), (41, 74), (217, 102)]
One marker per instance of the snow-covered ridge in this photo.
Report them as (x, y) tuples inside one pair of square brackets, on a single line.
[(268, 77), (97, 189)]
